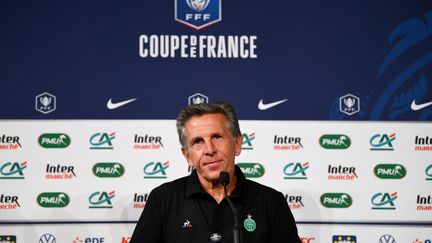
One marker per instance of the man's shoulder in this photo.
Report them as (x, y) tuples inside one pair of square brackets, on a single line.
[(258, 188), (169, 188)]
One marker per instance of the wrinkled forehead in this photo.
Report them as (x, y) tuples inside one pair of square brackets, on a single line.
[(212, 122)]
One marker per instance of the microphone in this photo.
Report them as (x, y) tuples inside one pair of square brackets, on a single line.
[(224, 180)]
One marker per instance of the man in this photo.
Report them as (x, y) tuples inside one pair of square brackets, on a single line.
[(194, 208)]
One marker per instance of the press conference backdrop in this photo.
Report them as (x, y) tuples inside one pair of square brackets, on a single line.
[(333, 99)]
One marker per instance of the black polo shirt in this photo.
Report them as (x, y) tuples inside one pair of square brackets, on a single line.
[(181, 211)]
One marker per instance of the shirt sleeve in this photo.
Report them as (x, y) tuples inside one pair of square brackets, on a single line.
[(283, 228), (149, 226)]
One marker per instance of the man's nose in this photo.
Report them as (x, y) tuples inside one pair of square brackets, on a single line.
[(210, 148)]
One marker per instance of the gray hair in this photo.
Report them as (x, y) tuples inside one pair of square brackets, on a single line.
[(223, 108)]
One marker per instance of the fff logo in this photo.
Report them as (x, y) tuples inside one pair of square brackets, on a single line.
[(156, 170), (198, 14)]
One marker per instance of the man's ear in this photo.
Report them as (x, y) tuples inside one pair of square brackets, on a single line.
[(186, 155), (238, 143)]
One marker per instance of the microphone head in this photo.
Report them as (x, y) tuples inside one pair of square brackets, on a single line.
[(224, 178), (215, 238)]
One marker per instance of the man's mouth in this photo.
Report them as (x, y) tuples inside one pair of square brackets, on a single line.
[(212, 164)]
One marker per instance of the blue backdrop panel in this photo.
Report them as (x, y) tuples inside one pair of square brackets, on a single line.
[(308, 52)]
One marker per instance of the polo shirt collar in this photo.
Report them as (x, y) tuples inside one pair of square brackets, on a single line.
[(193, 186)]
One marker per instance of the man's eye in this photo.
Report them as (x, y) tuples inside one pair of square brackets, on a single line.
[(198, 141), (217, 136)]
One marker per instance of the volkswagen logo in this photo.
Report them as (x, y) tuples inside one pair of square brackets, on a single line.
[(387, 239), (47, 238)]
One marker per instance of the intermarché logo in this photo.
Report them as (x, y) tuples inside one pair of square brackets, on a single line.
[(107, 169), (335, 141), (390, 171), (54, 140), (336, 200), (53, 199), (252, 170)]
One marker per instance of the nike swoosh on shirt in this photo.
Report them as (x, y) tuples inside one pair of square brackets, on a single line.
[(114, 105), (263, 106), (416, 107)]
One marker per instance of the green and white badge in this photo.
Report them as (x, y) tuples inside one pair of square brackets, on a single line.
[(249, 223)]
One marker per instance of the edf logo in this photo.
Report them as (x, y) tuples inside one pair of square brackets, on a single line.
[(198, 14)]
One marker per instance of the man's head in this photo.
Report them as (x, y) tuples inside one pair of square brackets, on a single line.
[(210, 138), (223, 108)]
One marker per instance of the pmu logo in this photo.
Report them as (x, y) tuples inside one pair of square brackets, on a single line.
[(198, 14), (107, 169), (247, 141), (382, 142), (390, 171), (336, 200), (8, 202), (140, 200), (335, 141), (102, 140), (252, 170), (53, 199), (428, 172), (47, 238), (8, 238), (156, 170), (296, 170), (101, 199), (12, 170), (9, 142), (294, 202), (344, 239), (384, 201), (54, 140)]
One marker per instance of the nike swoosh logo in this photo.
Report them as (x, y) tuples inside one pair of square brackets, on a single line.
[(416, 107), (112, 106), (263, 106)]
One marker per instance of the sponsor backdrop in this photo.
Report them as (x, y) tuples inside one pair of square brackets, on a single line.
[(334, 100)]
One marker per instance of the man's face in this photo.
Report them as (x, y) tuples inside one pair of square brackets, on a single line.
[(211, 147)]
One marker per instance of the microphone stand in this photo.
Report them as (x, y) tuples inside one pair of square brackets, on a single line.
[(224, 178)]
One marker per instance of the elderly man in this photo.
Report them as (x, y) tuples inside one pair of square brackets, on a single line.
[(194, 209)]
